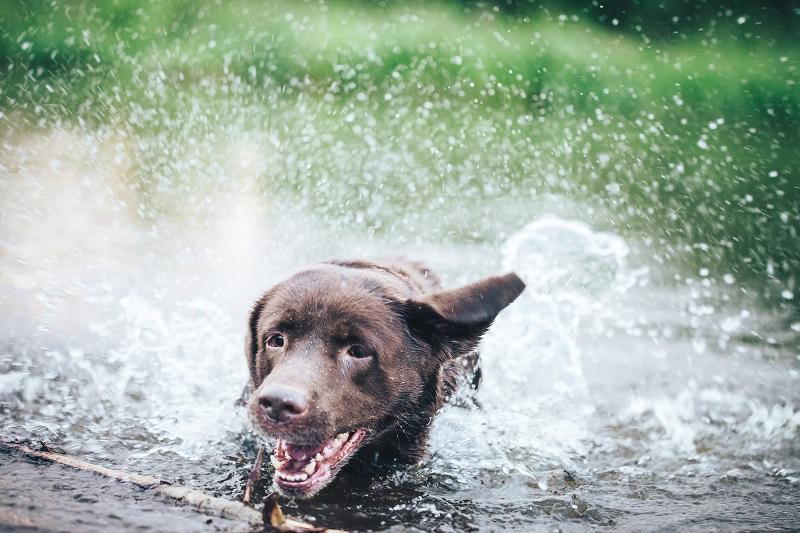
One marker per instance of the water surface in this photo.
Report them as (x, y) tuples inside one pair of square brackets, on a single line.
[(646, 380)]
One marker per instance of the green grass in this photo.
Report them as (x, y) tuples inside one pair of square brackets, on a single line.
[(492, 58)]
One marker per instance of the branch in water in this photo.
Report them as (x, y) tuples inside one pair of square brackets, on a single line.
[(252, 479), (227, 508)]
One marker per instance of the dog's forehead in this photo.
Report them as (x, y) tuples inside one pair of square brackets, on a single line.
[(339, 299)]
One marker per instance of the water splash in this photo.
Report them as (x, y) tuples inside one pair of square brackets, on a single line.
[(178, 375), (535, 398), (167, 383)]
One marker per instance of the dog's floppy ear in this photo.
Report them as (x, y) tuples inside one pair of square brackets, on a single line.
[(251, 339), (464, 313)]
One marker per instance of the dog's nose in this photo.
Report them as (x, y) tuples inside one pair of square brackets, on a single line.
[(282, 404)]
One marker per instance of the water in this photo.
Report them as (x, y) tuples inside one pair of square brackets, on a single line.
[(646, 380)]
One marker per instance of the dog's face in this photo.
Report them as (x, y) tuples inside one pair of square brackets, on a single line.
[(339, 355)]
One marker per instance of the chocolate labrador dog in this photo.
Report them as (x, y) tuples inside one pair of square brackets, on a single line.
[(350, 360)]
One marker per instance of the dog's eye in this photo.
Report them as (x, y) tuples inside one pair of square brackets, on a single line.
[(275, 341), (358, 352)]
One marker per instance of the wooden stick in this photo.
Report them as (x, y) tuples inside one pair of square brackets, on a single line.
[(252, 479), (227, 508)]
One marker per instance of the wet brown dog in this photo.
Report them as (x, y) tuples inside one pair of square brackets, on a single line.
[(350, 360)]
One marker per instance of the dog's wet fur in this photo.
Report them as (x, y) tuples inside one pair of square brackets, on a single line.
[(350, 361)]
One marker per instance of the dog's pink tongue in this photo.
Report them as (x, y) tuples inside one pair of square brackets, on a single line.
[(299, 452)]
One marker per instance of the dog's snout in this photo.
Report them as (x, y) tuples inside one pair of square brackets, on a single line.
[(283, 404)]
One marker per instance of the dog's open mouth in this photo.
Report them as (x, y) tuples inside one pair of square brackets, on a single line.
[(304, 469)]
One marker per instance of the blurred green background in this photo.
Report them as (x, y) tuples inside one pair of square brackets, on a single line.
[(672, 123)]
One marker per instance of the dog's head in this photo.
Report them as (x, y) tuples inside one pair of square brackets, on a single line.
[(340, 355)]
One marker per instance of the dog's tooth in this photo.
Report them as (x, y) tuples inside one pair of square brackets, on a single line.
[(310, 467), (318, 457), (327, 451), (277, 463), (301, 477)]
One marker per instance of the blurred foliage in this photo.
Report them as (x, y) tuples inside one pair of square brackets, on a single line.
[(664, 19), (518, 48), (477, 52), (674, 120)]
